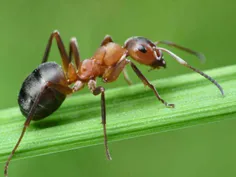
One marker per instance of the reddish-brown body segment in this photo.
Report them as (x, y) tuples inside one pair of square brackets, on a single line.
[(104, 59), (49, 80)]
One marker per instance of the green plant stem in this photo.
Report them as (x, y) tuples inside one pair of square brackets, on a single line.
[(132, 111)]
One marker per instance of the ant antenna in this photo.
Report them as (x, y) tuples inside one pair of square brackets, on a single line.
[(182, 62), (200, 56)]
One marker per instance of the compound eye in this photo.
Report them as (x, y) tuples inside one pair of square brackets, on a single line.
[(142, 49)]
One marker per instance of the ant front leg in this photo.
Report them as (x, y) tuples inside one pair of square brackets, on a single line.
[(107, 39), (146, 82), (112, 73), (96, 91)]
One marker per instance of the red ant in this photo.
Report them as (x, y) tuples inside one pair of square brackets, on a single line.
[(44, 90)]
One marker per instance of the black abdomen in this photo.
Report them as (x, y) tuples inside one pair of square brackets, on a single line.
[(50, 99)]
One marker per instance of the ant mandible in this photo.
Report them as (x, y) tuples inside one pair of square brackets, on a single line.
[(44, 90)]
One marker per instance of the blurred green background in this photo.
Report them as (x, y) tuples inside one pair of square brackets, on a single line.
[(208, 26)]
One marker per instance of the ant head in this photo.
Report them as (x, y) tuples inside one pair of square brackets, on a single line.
[(145, 52)]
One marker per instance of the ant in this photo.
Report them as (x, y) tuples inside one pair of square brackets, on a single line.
[(44, 90)]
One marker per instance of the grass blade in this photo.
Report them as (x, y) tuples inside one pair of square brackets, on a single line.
[(131, 112)]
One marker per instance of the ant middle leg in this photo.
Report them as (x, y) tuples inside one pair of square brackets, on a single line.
[(146, 82), (96, 91), (126, 76)]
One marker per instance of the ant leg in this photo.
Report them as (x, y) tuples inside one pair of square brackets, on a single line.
[(78, 86), (182, 62), (112, 73), (126, 76), (61, 47), (146, 82), (169, 43), (62, 89), (75, 51), (96, 91), (106, 40), (101, 51), (26, 124)]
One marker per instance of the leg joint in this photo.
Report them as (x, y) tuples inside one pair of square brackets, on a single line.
[(55, 32)]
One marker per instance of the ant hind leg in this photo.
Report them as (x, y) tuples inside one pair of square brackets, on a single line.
[(60, 88), (65, 59)]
